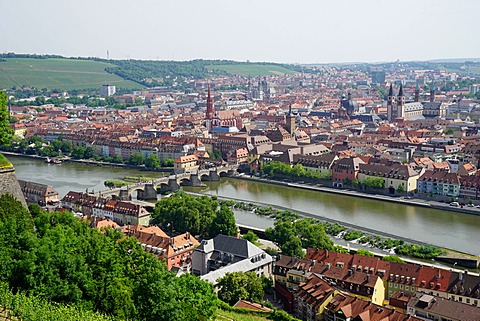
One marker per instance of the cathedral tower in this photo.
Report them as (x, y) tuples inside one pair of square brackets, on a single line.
[(391, 104), (417, 93), (400, 103)]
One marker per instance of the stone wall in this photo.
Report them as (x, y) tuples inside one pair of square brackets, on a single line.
[(9, 184)]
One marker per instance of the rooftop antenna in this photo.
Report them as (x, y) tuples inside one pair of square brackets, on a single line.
[(108, 55)]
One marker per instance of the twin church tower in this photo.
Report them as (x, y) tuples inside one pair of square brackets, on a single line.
[(397, 107)]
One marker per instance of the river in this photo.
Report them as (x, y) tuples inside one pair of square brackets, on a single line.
[(442, 228)]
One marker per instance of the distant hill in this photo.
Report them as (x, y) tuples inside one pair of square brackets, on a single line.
[(58, 73), (456, 60), (253, 69)]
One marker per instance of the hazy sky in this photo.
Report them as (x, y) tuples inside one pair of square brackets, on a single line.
[(304, 31)]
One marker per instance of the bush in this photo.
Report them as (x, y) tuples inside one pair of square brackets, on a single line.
[(352, 235), (365, 253)]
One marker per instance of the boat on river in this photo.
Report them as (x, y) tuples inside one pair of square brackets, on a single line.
[(53, 160)]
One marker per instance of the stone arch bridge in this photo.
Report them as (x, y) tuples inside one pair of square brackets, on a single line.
[(148, 190)]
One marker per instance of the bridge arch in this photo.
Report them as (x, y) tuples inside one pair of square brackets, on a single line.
[(205, 177), (185, 181)]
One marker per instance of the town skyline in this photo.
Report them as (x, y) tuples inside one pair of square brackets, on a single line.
[(307, 33)]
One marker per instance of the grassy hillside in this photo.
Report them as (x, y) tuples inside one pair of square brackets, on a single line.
[(252, 69), (56, 73)]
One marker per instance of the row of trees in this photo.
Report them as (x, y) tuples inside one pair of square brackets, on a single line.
[(61, 259), (35, 145), (279, 169), (202, 215), (151, 162)]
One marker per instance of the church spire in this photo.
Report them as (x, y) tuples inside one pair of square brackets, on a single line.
[(390, 92), (400, 92), (210, 110)]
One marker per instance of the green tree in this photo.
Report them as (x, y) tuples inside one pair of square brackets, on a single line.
[(183, 212), (136, 159), (224, 222), (66, 146), (6, 132), (78, 152), (89, 152), (117, 159), (167, 162), (251, 237), (281, 233), (374, 182), (365, 253), (293, 247), (152, 162), (312, 234), (240, 285), (392, 258)]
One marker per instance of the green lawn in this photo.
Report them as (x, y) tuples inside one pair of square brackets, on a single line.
[(253, 69), (4, 162), (62, 74)]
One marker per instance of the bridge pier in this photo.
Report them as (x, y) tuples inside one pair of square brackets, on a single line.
[(195, 180), (214, 176), (173, 184), (148, 193), (124, 195)]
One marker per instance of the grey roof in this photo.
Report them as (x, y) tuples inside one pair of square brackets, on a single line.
[(227, 244), (245, 265)]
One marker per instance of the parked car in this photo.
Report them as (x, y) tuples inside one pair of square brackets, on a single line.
[(454, 204)]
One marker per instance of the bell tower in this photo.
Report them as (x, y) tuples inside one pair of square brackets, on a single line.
[(400, 103), (290, 122), (210, 111), (391, 105)]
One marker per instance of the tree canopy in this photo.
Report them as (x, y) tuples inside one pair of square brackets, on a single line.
[(63, 260), (6, 132), (240, 285), (292, 237), (198, 215)]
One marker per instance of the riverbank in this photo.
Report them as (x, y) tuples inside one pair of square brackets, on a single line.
[(445, 260), (94, 162), (347, 192)]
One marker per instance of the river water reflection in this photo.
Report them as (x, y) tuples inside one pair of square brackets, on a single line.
[(443, 228)]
